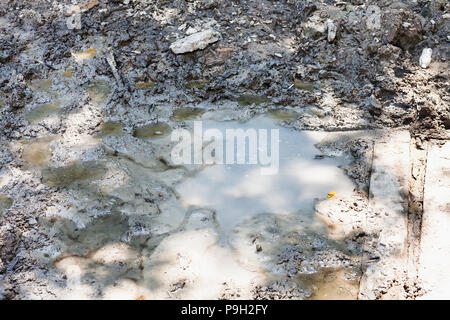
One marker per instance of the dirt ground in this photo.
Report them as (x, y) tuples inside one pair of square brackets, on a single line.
[(85, 86)]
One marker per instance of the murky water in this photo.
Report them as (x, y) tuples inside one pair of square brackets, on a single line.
[(187, 114), (111, 128), (98, 90), (153, 130), (283, 114), (75, 173), (331, 284), (303, 85), (5, 203), (42, 112), (131, 231), (42, 85), (238, 191), (248, 99)]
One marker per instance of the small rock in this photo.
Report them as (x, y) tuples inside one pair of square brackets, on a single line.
[(373, 21), (425, 58), (191, 31), (258, 248), (74, 22), (314, 27), (332, 29), (196, 41)]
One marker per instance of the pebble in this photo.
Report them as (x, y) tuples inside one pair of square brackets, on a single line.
[(332, 29), (196, 41), (425, 57), (74, 22)]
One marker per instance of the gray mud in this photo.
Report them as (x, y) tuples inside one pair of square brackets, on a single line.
[(90, 203)]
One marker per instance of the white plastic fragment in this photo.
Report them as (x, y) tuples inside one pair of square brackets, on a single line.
[(425, 57)]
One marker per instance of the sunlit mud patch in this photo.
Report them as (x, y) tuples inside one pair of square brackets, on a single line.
[(68, 73), (77, 172), (42, 112), (186, 114), (191, 265), (332, 284), (81, 56), (106, 264), (239, 191), (153, 130), (127, 227)]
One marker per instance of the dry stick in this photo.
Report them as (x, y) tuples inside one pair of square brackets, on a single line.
[(122, 88)]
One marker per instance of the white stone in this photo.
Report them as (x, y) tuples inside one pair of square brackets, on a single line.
[(425, 57), (332, 29), (196, 41), (74, 22)]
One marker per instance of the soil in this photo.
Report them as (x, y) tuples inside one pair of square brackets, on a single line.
[(84, 111)]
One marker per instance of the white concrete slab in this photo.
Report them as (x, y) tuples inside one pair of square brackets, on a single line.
[(387, 220), (434, 269)]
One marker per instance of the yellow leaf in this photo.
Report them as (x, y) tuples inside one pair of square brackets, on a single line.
[(331, 194)]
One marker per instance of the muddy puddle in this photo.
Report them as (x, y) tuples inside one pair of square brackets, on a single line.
[(5, 203), (283, 114), (186, 114), (153, 130), (131, 231), (98, 90), (43, 111), (75, 173), (239, 191), (248, 99), (37, 152)]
